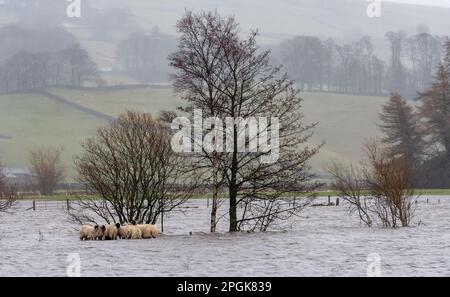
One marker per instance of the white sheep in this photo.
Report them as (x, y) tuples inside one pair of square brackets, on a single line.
[(88, 232), (148, 230), (100, 233), (124, 231), (111, 232), (136, 232)]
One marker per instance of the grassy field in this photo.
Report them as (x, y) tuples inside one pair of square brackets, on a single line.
[(64, 197), (31, 120), (28, 120), (114, 102), (344, 121)]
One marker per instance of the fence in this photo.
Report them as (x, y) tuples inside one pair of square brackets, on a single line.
[(66, 204), (50, 205)]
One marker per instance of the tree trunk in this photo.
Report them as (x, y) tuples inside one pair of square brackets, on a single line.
[(215, 198), (233, 214), (232, 186), (233, 190)]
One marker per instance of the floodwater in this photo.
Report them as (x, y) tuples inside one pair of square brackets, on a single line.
[(324, 241)]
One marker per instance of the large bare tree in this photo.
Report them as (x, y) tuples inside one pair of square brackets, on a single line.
[(223, 75), (132, 171), (46, 168)]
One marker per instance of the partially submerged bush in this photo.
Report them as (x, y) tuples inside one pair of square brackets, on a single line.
[(380, 189), (132, 171)]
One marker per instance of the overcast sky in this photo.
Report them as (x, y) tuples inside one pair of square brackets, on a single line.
[(445, 3)]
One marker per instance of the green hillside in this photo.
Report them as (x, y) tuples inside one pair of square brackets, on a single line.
[(28, 120), (115, 101)]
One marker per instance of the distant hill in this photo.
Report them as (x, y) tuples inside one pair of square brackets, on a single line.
[(105, 23), (34, 119), (343, 20), (277, 20), (345, 121)]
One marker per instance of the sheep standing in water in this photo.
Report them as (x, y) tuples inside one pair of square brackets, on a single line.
[(100, 233), (136, 233), (148, 230), (88, 232), (111, 232), (124, 232)]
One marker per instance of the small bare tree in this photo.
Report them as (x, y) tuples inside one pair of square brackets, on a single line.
[(46, 168), (7, 195), (350, 183), (380, 189), (131, 166), (390, 182)]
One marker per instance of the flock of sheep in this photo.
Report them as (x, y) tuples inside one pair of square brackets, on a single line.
[(112, 232)]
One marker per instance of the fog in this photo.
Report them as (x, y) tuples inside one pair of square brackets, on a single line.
[(443, 3), (325, 46)]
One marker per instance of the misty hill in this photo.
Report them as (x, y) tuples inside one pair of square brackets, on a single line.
[(286, 18), (341, 19), (345, 20)]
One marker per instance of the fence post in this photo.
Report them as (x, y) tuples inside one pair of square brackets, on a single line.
[(34, 205), (337, 201), (68, 205), (162, 221), (329, 200)]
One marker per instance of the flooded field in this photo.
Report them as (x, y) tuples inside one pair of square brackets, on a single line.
[(325, 241)]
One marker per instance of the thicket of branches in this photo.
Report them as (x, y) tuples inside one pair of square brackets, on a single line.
[(131, 170), (380, 189)]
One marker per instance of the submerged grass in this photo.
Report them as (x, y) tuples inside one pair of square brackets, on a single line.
[(63, 197)]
